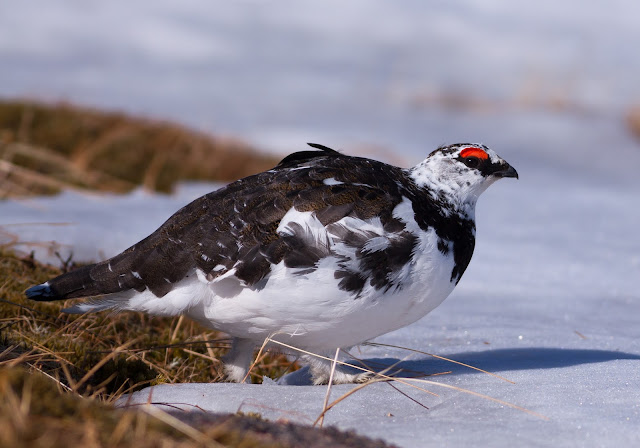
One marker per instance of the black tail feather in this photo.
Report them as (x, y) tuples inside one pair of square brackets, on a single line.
[(76, 283), (117, 275), (296, 158), (42, 293)]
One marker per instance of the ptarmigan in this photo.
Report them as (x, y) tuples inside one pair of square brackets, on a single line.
[(323, 251)]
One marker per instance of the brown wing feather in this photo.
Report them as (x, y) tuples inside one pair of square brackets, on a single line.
[(235, 227)]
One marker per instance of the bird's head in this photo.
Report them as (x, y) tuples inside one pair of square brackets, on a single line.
[(460, 173)]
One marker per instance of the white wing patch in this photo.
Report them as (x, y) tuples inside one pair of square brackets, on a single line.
[(376, 244), (332, 181), (307, 220), (404, 212)]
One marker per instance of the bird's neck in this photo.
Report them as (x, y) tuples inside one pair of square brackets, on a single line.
[(450, 192)]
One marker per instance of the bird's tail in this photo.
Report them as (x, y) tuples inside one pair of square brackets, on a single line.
[(103, 279), (76, 283)]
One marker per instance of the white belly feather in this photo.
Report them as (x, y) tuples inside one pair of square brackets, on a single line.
[(310, 309)]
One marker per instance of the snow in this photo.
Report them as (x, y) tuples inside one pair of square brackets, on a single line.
[(551, 298), (89, 227), (550, 301), (280, 73)]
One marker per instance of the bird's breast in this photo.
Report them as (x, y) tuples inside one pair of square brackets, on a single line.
[(313, 307)]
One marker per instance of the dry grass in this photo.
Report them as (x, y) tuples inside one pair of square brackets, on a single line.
[(35, 413), (45, 148), (633, 121), (60, 373), (91, 359), (121, 352)]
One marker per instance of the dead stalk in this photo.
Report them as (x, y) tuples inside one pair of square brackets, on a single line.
[(409, 381), (264, 344), (320, 419), (377, 344), (179, 425), (101, 363)]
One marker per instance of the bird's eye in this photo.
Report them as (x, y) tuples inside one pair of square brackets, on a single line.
[(472, 162)]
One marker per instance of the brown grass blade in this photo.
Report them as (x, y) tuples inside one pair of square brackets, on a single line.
[(409, 381), (320, 419)]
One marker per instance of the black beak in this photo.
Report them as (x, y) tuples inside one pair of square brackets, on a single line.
[(505, 170)]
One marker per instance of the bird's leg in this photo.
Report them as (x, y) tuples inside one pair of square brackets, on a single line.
[(320, 370), (238, 360)]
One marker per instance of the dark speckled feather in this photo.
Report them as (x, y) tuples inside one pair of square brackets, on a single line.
[(324, 251), (236, 227)]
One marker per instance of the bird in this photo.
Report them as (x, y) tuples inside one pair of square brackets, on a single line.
[(323, 252)]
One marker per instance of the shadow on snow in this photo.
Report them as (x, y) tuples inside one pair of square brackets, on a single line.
[(493, 361)]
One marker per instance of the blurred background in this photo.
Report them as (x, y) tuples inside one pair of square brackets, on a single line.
[(551, 86), (181, 96)]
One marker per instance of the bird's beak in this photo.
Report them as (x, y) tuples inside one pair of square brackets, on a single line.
[(505, 170)]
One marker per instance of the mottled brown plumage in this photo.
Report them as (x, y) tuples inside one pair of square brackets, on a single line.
[(236, 227), (324, 251)]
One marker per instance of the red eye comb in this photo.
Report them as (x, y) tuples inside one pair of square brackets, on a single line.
[(473, 151)]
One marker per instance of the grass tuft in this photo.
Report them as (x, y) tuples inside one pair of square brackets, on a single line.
[(633, 121), (36, 413), (106, 354), (45, 148), (60, 374)]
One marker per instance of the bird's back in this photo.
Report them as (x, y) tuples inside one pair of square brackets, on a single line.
[(239, 228), (325, 248)]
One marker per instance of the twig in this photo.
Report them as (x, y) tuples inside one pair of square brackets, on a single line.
[(60, 383), (264, 343), (408, 381), (407, 395), (102, 362), (348, 394), (326, 397)]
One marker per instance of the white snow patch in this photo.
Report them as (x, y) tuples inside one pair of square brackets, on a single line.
[(549, 301), (551, 297)]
